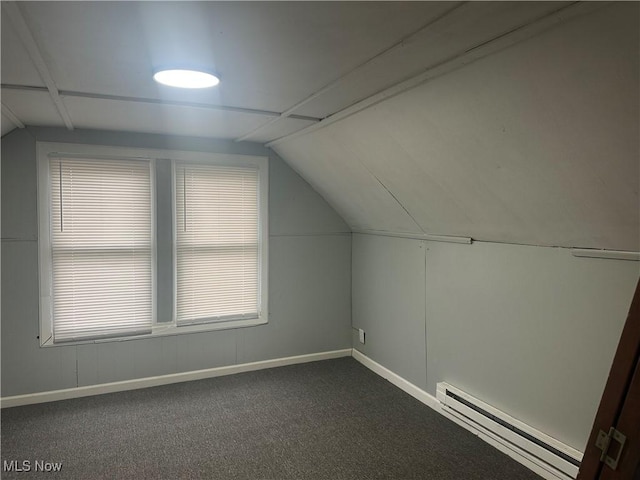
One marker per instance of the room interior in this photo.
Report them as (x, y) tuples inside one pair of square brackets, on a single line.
[(452, 191)]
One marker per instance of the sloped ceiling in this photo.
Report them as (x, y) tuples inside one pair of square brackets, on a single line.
[(502, 121), (536, 144)]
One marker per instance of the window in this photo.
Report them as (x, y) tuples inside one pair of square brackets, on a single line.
[(99, 207), (100, 247), (217, 243)]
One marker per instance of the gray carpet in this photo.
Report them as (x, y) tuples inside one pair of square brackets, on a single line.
[(324, 420)]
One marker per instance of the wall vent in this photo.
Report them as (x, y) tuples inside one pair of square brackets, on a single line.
[(558, 460)]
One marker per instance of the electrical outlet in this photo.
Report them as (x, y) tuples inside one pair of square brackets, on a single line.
[(361, 335)]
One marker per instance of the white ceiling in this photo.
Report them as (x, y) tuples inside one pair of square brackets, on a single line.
[(535, 144), (271, 56), (504, 121)]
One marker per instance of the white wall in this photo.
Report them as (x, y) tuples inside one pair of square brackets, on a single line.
[(529, 330), (309, 280)]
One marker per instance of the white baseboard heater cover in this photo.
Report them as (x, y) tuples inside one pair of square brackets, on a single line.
[(555, 457)]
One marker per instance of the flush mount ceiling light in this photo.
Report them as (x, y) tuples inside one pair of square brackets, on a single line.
[(182, 78)]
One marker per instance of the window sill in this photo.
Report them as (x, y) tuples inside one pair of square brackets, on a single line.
[(160, 330)]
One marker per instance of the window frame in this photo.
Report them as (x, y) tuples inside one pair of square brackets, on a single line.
[(261, 163), (43, 152)]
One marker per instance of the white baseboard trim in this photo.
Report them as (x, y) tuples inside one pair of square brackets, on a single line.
[(397, 380), (519, 456), (77, 392)]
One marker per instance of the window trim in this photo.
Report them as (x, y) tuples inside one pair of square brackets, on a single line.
[(159, 329)]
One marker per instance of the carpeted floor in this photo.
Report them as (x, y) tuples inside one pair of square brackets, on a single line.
[(324, 420)]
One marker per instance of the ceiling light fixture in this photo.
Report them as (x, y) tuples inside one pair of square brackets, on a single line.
[(182, 78)]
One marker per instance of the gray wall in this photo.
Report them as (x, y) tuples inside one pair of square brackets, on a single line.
[(309, 279), (529, 330)]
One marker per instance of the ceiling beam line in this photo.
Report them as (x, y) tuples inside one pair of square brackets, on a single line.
[(334, 83), (6, 111), (455, 62), (23, 31), (415, 236), (157, 101)]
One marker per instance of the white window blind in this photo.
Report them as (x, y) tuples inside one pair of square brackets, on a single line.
[(101, 241), (217, 243)]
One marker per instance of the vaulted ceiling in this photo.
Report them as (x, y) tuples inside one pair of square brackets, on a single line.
[(503, 121)]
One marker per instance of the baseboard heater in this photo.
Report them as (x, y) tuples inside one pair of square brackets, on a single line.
[(554, 457)]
